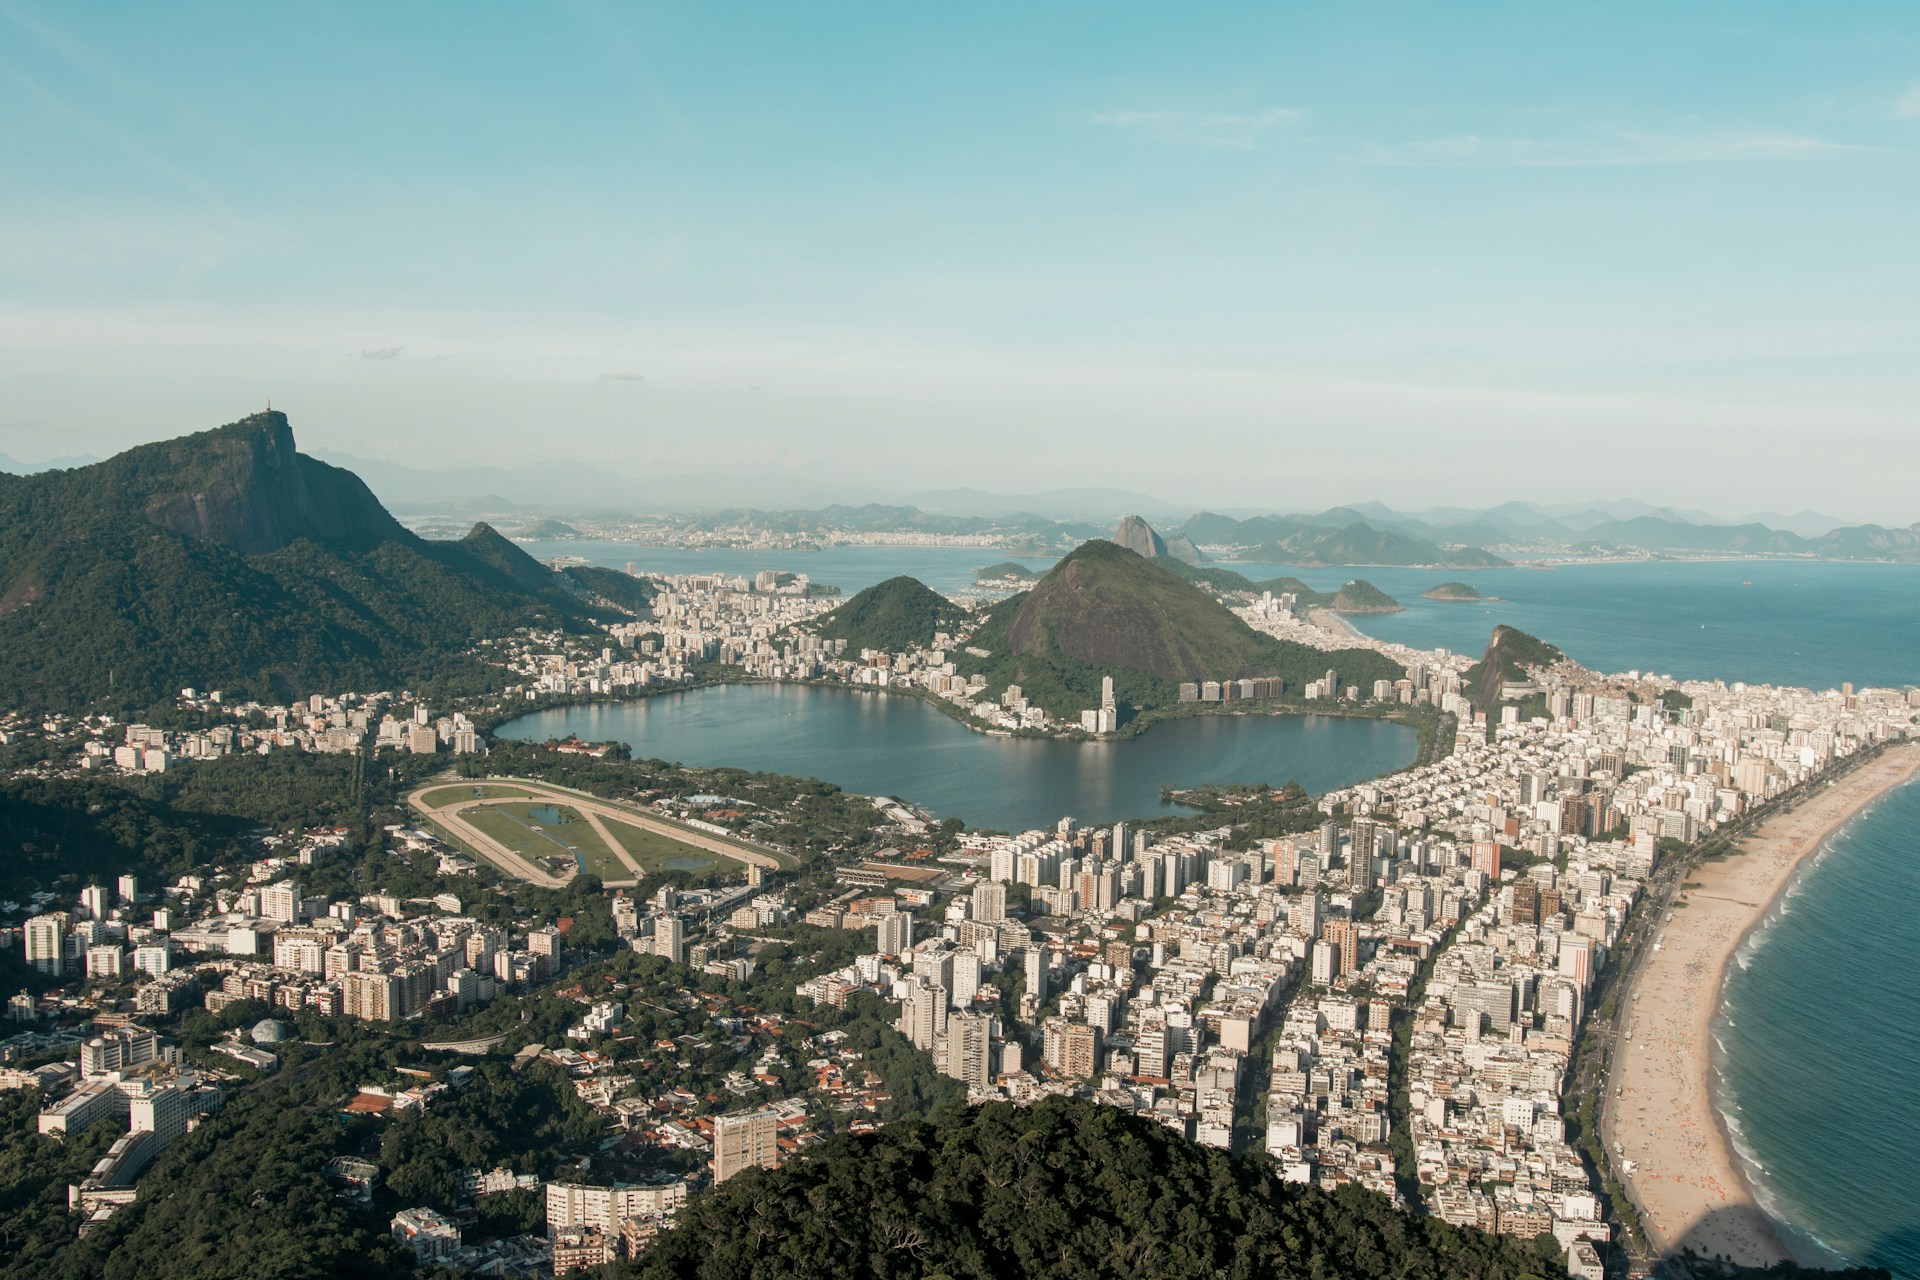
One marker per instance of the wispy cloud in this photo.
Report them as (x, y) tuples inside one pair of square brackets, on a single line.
[(1907, 105), (623, 377), (1470, 151), (1202, 128), (382, 353)]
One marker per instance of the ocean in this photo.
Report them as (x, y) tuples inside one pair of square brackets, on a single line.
[(1816, 1046)]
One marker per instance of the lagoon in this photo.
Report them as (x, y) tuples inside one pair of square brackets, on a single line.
[(897, 745)]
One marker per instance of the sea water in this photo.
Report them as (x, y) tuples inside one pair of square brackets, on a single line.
[(1818, 1069)]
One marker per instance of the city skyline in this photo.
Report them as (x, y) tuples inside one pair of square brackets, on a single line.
[(1598, 252)]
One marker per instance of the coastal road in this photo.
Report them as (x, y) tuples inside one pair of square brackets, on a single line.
[(448, 815)]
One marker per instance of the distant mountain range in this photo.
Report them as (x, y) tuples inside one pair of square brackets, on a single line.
[(571, 487), (229, 560), (13, 466)]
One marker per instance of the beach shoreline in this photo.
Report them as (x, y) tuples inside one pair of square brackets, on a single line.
[(1689, 1184)]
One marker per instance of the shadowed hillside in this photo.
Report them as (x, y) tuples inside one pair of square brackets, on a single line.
[(229, 560)]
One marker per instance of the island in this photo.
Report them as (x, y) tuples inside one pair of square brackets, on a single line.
[(1452, 591), (1005, 573)]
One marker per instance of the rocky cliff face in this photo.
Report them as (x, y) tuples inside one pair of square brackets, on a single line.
[(246, 487), (1137, 536)]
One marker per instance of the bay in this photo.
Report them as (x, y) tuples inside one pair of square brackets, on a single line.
[(898, 746)]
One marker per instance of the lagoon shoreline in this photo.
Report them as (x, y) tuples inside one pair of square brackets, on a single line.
[(1689, 1184)]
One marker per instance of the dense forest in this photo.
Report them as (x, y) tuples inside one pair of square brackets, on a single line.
[(895, 616), (1065, 1188)]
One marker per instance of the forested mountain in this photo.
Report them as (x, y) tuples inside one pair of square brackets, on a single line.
[(1103, 610), (1065, 1188), (1510, 655), (892, 616), (229, 560)]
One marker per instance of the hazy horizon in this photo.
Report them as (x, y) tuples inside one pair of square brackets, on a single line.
[(1233, 258)]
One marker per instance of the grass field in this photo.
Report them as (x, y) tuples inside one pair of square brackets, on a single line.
[(514, 826), (444, 796), (653, 851)]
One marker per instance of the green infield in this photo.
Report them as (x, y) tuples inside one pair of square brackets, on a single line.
[(536, 829), (655, 852)]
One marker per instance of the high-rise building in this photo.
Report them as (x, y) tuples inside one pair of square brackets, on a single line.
[(1344, 938), (923, 1014), (970, 1049), (669, 939), (1080, 1050), (989, 902), (1036, 973), (281, 901), (106, 960), (894, 933), (93, 900), (373, 997), (129, 889), (964, 982), (46, 943), (1323, 962), (1486, 859), (747, 1140)]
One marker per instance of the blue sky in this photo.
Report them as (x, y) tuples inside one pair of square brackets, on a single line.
[(1233, 254)]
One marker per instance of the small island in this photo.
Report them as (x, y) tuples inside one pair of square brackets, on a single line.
[(1453, 591), (1005, 571)]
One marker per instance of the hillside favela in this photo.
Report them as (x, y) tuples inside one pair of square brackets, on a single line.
[(846, 641)]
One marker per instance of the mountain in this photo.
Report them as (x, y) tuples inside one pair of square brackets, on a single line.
[(1063, 1188), (16, 467), (1510, 657), (616, 588), (1805, 523), (1137, 536), (1361, 596), (1313, 542), (1104, 610), (892, 617), (229, 560), (545, 529)]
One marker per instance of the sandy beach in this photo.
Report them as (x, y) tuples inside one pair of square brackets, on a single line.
[(1688, 1183), (1328, 620)]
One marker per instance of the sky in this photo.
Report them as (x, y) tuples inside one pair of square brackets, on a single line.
[(1238, 255)]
